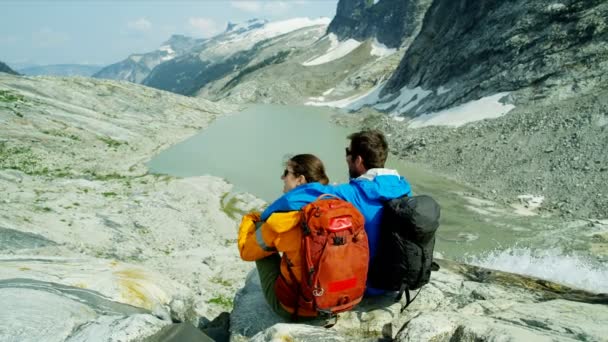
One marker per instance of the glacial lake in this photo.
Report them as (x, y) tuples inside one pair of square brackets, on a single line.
[(249, 150)]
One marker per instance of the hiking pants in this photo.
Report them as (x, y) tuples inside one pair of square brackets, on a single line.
[(269, 269)]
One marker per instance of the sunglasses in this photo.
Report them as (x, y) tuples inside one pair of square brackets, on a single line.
[(286, 172)]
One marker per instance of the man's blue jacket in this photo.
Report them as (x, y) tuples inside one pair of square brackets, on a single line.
[(367, 193)]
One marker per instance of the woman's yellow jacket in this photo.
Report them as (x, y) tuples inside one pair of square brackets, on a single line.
[(280, 233)]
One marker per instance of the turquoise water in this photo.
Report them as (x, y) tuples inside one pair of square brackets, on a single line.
[(249, 149)]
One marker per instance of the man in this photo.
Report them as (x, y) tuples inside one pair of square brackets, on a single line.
[(369, 187)]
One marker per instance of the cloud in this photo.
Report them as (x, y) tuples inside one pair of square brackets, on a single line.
[(141, 24), (277, 7), (204, 27), (8, 40), (47, 37), (247, 6), (266, 7)]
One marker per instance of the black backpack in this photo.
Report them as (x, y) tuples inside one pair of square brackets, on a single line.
[(404, 257)]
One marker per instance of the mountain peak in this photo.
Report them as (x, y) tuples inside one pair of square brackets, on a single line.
[(246, 26)]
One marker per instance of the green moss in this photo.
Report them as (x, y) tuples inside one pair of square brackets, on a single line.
[(109, 194), (61, 134), (228, 206), (104, 177), (112, 143), (221, 300), (220, 281), (8, 96), (20, 158)]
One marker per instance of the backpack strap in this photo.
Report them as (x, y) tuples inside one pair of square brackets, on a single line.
[(408, 301), (403, 289)]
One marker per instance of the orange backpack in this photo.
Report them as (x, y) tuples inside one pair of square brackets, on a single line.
[(335, 257)]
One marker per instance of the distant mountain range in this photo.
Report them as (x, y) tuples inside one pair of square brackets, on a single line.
[(186, 68), (5, 68), (61, 70), (137, 67)]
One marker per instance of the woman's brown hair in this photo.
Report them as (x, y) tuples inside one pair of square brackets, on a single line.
[(310, 167)]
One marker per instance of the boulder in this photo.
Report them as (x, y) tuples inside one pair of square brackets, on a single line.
[(461, 302)]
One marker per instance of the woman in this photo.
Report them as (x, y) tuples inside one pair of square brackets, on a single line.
[(261, 241)]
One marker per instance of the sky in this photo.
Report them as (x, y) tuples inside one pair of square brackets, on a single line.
[(47, 32)]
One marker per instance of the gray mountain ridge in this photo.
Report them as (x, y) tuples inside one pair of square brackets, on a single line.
[(62, 70), (5, 68), (138, 66), (477, 49)]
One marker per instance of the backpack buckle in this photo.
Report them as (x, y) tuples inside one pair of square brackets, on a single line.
[(318, 291), (330, 321)]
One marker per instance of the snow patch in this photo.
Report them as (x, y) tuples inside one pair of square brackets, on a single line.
[(229, 43), (369, 98), (407, 99), (381, 50), (486, 108), (352, 103), (136, 58), (278, 28), (337, 50), (170, 53), (167, 48), (328, 91)]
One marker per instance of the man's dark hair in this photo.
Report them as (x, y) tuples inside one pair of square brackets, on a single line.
[(371, 145)]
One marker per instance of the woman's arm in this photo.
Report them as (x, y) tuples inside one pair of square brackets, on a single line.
[(256, 238), (259, 239)]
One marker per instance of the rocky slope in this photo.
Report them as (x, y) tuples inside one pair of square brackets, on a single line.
[(5, 68), (461, 303), (361, 49), (85, 230), (548, 150), (473, 49), (138, 66), (391, 22), (228, 52), (259, 77)]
